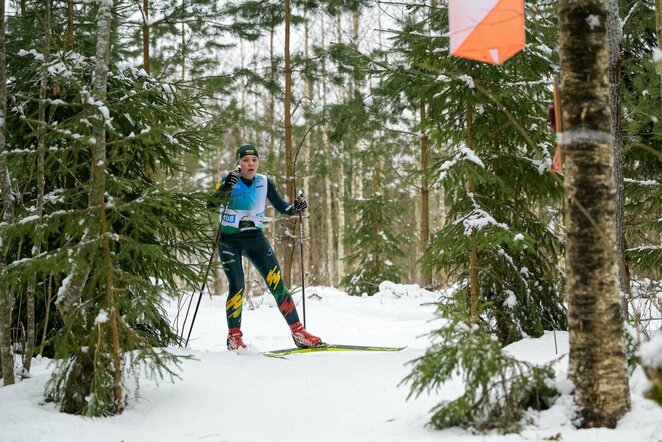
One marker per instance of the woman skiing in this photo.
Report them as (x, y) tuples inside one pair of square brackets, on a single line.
[(245, 193)]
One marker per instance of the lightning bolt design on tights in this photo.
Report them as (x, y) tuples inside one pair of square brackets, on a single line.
[(287, 306), (235, 303), (273, 278)]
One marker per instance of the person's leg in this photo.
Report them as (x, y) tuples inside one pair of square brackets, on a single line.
[(263, 258), (230, 256)]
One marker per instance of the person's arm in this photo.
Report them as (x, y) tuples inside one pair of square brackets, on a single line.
[(221, 192), (276, 200)]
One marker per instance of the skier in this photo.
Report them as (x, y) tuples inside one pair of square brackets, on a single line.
[(246, 192)]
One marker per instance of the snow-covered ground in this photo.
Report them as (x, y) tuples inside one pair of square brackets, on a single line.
[(225, 396)]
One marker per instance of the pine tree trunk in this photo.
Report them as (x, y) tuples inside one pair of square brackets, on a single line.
[(306, 160), (658, 31), (272, 96), (184, 51), (70, 25), (98, 190), (330, 267), (340, 198), (615, 35), (146, 62), (41, 149), (6, 299), (426, 276), (474, 289), (290, 225), (598, 366)]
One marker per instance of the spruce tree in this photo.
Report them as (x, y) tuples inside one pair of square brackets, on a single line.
[(491, 155), (152, 230)]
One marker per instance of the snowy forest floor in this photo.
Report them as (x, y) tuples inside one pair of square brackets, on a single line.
[(237, 397)]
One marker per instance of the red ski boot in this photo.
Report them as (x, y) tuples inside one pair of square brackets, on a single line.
[(234, 339), (302, 338)]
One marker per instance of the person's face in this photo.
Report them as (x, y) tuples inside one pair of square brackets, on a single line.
[(249, 165)]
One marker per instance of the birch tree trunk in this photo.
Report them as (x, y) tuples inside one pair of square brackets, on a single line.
[(290, 225), (598, 366), (41, 149), (6, 298), (99, 187)]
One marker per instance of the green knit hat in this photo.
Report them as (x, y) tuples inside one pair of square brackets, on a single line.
[(246, 149)]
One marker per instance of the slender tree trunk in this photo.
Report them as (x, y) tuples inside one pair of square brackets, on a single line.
[(146, 25), (41, 149), (615, 35), (330, 267), (658, 31), (99, 187), (272, 96), (184, 50), (426, 280), (70, 25), (342, 172), (48, 298), (473, 253), (598, 366), (306, 159), (6, 299), (290, 225)]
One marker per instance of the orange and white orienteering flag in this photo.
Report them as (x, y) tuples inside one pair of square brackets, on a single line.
[(486, 30)]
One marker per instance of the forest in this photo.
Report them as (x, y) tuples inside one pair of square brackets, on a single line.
[(527, 192)]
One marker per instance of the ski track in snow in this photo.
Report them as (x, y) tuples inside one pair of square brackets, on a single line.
[(226, 396)]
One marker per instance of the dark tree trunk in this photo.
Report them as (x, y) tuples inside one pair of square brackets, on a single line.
[(6, 356), (426, 277), (290, 225)]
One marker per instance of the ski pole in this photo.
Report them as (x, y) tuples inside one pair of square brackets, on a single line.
[(202, 289), (303, 285), (204, 283)]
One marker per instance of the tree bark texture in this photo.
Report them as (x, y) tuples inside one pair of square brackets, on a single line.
[(146, 63), (70, 25), (98, 190), (342, 174), (598, 366), (474, 289), (615, 36), (330, 270), (426, 276), (290, 225), (41, 183), (658, 31), (6, 299), (308, 154)]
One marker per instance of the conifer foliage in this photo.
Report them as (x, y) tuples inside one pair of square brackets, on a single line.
[(116, 237), (493, 161), (498, 388)]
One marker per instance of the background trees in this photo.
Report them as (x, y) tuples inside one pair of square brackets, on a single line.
[(418, 167)]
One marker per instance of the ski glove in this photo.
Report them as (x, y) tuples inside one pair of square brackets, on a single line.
[(231, 179), (299, 206)]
